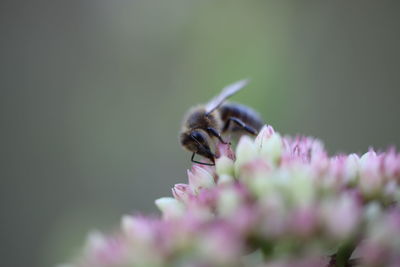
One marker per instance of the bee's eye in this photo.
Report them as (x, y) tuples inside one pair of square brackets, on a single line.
[(198, 136)]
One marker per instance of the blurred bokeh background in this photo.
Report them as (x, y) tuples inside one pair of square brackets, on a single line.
[(93, 94)]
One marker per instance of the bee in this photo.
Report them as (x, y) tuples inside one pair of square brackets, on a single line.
[(205, 123)]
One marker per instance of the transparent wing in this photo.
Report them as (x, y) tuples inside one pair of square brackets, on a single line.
[(225, 93)]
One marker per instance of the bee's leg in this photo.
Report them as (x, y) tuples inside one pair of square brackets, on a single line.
[(215, 133), (240, 123), (198, 162)]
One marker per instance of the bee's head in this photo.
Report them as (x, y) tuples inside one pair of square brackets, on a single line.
[(197, 141)]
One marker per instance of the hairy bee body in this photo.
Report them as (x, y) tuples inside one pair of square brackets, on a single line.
[(197, 117), (204, 123)]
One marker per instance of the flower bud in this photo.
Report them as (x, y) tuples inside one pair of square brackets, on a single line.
[(301, 187), (225, 150), (182, 192), (265, 133), (370, 178), (137, 228), (341, 217), (170, 207), (352, 167), (225, 179), (271, 149), (391, 164), (228, 201), (224, 165), (245, 152), (104, 250), (200, 178)]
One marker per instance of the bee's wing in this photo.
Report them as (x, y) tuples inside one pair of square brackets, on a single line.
[(225, 93)]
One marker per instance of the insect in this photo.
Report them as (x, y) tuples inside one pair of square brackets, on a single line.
[(205, 123)]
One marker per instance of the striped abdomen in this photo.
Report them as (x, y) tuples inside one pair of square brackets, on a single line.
[(241, 112)]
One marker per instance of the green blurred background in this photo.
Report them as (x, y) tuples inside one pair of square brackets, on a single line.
[(93, 94)]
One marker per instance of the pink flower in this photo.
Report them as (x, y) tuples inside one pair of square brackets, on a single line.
[(200, 177), (221, 244), (341, 216), (104, 251), (277, 201), (182, 192), (170, 207), (304, 221), (371, 179), (391, 164)]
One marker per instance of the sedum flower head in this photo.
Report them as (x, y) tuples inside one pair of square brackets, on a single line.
[(277, 201)]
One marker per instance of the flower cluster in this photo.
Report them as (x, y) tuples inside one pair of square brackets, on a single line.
[(277, 201)]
